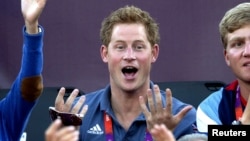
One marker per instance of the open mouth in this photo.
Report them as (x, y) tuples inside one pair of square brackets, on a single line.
[(246, 64), (129, 72)]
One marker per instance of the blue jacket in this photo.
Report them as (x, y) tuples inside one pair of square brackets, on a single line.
[(16, 107), (98, 102), (218, 108)]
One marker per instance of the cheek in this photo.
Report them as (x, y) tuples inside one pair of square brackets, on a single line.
[(146, 61), (234, 54), (232, 58), (113, 60)]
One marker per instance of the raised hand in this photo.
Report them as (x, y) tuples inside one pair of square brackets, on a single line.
[(31, 10), (63, 106), (157, 114)]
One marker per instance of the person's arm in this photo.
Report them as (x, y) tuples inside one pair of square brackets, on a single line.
[(17, 105), (30, 76)]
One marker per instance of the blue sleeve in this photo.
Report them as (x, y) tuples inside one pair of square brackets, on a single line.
[(32, 59), (14, 110)]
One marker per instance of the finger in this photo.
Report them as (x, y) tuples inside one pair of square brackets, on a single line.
[(155, 131), (84, 109), (59, 102), (68, 133), (144, 107), (166, 135), (83, 112), (77, 107), (68, 104), (169, 100), (161, 133), (151, 101), (54, 126), (179, 116), (158, 97)]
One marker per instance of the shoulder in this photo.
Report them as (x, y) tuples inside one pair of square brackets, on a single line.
[(215, 98), (92, 96), (97, 97)]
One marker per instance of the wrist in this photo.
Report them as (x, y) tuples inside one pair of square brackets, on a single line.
[(37, 30), (32, 28)]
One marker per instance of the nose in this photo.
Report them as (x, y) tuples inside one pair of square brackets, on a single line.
[(246, 52), (129, 54)]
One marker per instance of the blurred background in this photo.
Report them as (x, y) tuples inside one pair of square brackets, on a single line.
[(190, 47)]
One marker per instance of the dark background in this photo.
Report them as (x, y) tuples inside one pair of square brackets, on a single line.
[(190, 47), (191, 52)]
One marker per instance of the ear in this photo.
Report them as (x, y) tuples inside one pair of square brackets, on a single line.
[(155, 53), (104, 53), (226, 57)]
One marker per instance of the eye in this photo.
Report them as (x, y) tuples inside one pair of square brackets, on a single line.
[(237, 44), (139, 47), (120, 47)]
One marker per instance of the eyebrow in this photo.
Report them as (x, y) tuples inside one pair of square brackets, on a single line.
[(235, 39)]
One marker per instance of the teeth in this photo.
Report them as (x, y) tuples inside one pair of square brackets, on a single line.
[(129, 67), (247, 64)]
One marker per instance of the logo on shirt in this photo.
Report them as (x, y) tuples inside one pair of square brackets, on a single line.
[(95, 130)]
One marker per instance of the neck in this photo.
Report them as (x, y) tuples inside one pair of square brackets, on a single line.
[(126, 108)]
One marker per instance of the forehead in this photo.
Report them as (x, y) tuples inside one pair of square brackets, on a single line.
[(128, 30), (241, 33)]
